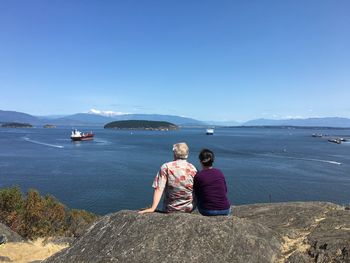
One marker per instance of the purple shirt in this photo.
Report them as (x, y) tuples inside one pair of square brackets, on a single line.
[(210, 190)]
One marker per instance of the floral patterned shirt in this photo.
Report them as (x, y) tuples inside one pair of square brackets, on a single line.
[(176, 178)]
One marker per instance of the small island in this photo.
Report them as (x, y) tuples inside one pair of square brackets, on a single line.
[(141, 125), (16, 125), (49, 126)]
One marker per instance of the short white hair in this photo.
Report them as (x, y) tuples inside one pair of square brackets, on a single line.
[(180, 150)]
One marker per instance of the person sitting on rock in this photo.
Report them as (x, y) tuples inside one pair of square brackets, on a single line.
[(210, 187), (175, 178)]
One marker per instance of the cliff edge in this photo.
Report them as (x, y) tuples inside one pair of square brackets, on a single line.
[(280, 232)]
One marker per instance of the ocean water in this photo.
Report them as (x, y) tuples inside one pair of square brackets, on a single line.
[(115, 171)]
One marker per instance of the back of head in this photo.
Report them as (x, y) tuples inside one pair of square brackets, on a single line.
[(180, 150), (206, 157)]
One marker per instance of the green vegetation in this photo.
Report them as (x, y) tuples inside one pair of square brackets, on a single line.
[(141, 125), (34, 215), (16, 125)]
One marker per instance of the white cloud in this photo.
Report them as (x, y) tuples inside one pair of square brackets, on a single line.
[(106, 113), (293, 117)]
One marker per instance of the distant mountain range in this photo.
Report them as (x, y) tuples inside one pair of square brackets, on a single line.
[(100, 119), (224, 123), (309, 122), (13, 116), (93, 119)]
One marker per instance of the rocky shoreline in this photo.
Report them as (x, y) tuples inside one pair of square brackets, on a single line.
[(302, 232), (295, 232)]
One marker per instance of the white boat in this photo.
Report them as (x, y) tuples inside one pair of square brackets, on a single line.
[(210, 131)]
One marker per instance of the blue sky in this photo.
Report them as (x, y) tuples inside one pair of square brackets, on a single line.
[(210, 60)]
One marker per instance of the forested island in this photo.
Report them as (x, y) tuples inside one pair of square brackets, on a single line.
[(16, 125), (141, 125)]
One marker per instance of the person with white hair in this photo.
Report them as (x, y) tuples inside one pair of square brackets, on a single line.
[(175, 179)]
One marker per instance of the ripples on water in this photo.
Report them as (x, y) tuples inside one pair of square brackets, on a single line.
[(116, 169)]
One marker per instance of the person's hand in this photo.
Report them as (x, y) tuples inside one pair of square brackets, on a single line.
[(148, 210)]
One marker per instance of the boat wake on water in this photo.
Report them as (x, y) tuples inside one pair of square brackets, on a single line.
[(42, 143), (318, 160), (102, 142), (304, 159)]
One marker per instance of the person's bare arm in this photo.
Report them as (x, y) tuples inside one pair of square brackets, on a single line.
[(156, 199)]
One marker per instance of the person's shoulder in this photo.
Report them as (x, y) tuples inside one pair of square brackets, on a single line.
[(167, 165), (191, 166), (217, 171)]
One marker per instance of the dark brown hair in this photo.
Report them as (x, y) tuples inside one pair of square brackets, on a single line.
[(206, 157)]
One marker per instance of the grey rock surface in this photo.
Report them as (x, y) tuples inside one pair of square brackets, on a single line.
[(5, 259), (288, 219), (330, 240), (10, 235), (302, 226), (129, 237), (298, 257), (299, 232)]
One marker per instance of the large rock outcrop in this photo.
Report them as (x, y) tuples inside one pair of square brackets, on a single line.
[(129, 237), (10, 235), (281, 232), (311, 231)]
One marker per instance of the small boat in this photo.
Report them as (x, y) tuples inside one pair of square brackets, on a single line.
[(79, 136), (336, 140), (210, 132)]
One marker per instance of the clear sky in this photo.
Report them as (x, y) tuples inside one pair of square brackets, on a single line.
[(210, 60)]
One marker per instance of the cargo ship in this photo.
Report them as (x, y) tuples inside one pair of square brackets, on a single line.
[(79, 136)]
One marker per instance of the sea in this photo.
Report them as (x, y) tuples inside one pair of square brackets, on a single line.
[(115, 171)]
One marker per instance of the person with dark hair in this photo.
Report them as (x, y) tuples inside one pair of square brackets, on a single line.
[(210, 187)]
